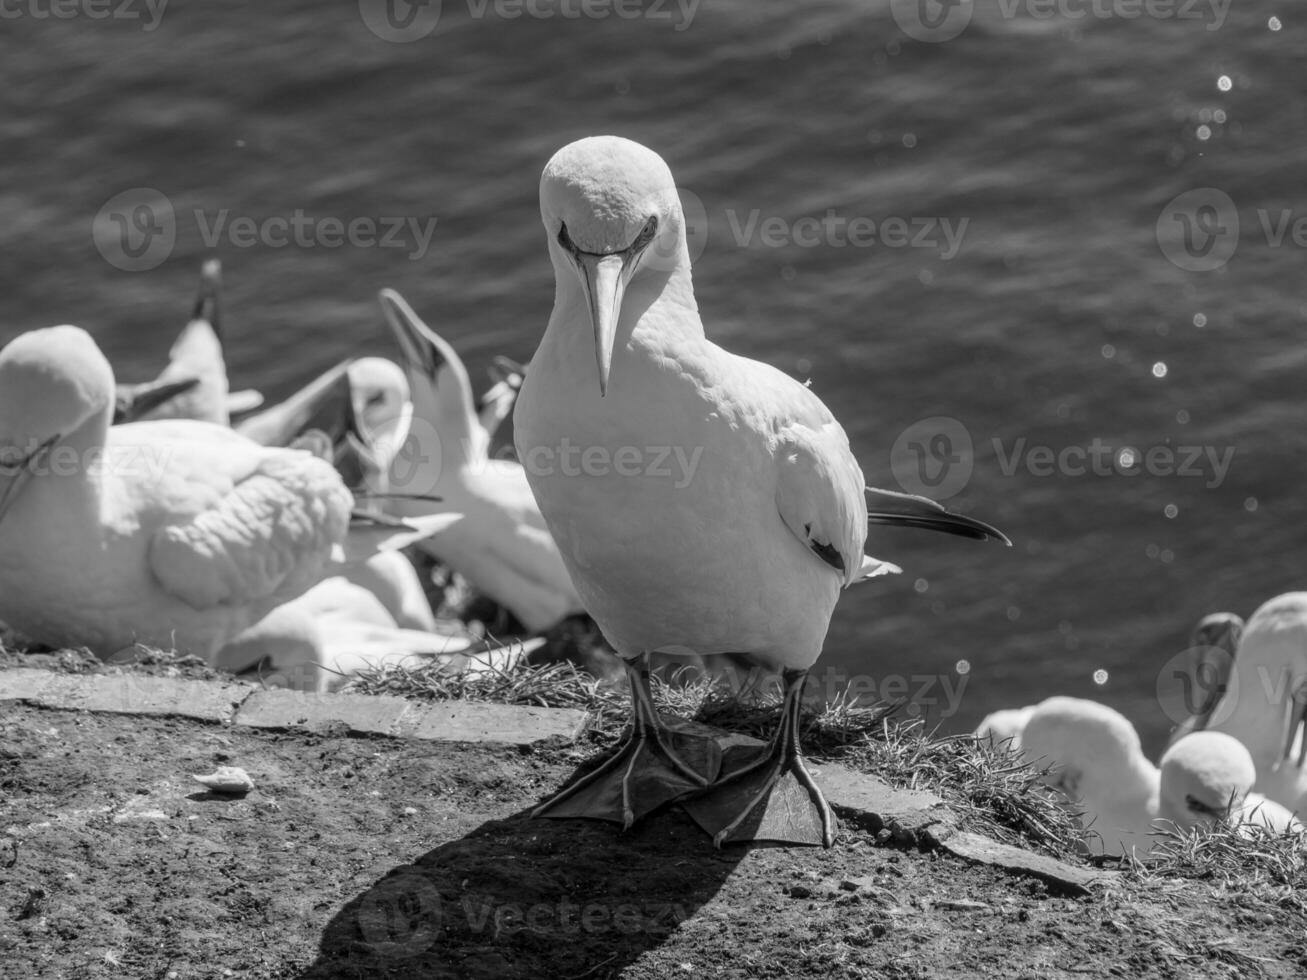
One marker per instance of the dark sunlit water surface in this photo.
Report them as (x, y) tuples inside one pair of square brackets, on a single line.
[(1058, 320)]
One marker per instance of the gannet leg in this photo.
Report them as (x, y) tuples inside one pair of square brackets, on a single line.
[(647, 771), (738, 807)]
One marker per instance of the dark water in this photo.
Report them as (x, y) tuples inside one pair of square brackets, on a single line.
[(1059, 140)]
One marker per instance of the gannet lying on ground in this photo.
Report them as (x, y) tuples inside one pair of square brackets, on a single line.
[(703, 502), (1093, 755), (356, 416), (502, 545), (194, 384), (322, 639), (1207, 777), (175, 534)]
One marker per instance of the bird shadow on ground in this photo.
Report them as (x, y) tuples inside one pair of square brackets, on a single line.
[(528, 898)]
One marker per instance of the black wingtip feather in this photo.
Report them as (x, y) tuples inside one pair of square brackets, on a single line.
[(909, 510)]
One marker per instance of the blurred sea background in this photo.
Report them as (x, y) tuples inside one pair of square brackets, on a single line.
[(1059, 321)]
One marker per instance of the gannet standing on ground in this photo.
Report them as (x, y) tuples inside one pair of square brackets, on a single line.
[(703, 502), (1207, 778), (502, 545), (175, 534), (1094, 756), (1263, 706), (194, 384)]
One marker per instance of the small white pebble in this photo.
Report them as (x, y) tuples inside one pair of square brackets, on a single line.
[(228, 779)]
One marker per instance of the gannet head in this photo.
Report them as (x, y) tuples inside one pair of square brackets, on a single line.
[(1092, 751), (53, 382), (382, 405), (1205, 776), (1221, 631), (611, 214)]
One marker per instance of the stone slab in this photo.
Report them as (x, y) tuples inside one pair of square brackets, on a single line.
[(478, 721), (125, 694), (359, 713), (1062, 876)]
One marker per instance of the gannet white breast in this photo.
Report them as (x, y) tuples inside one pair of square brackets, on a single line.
[(176, 534), (502, 545), (1093, 755), (703, 502)]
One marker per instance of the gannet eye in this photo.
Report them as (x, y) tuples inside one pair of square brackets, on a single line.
[(1198, 806), (646, 235), (565, 240)]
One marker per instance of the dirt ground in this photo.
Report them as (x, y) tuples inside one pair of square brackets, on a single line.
[(369, 858)]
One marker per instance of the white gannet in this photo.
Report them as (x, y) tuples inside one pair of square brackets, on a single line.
[(1004, 727), (1093, 755), (175, 534), (356, 416), (502, 545), (703, 502), (194, 384), (1263, 703), (1206, 778), (319, 640)]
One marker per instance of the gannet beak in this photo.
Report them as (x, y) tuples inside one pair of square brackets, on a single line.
[(424, 351), (605, 282), (21, 472)]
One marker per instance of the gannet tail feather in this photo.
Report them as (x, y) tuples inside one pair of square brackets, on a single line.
[(909, 510), (874, 568), (462, 436)]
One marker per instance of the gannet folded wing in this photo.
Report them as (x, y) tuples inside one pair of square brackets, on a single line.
[(819, 496), (270, 533)]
